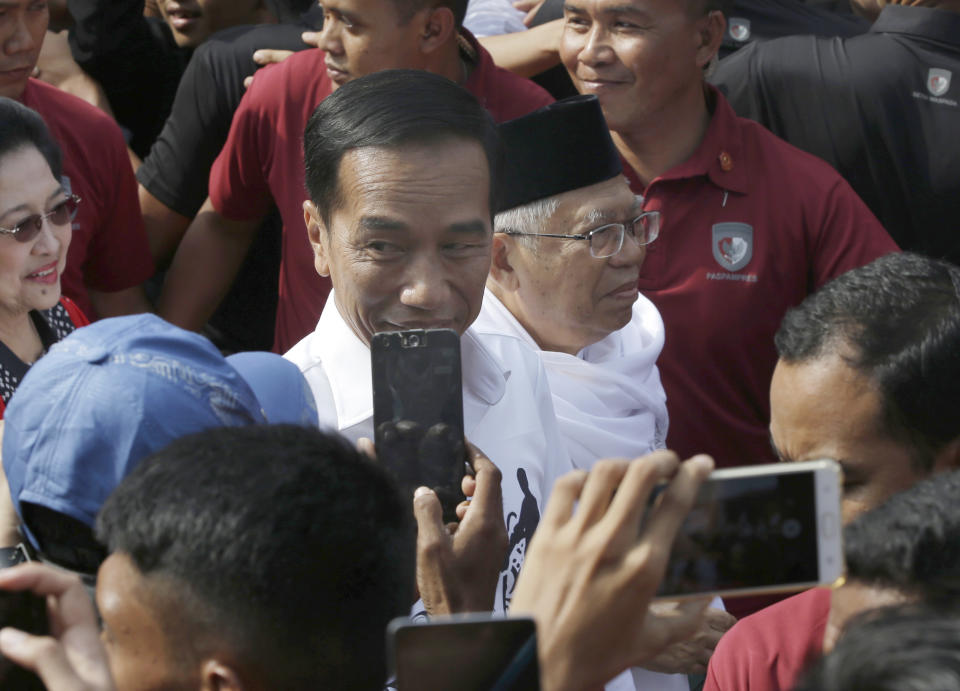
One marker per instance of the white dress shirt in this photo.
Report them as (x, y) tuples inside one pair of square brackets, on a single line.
[(507, 413)]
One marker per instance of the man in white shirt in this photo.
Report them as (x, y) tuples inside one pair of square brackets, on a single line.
[(568, 246), (400, 168), (569, 243)]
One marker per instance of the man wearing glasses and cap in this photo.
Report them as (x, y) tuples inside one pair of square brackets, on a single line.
[(568, 245)]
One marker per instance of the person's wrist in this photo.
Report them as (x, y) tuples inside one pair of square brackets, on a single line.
[(11, 556)]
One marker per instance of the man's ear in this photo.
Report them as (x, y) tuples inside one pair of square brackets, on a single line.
[(502, 271), (315, 232), (710, 35), (218, 676), (437, 28)]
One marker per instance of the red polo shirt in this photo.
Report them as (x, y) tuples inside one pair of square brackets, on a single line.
[(262, 163), (750, 227), (769, 650), (108, 250)]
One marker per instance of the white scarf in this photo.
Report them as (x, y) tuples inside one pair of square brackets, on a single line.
[(608, 398)]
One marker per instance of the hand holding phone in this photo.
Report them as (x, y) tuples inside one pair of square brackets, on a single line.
[(458, 572), (77, 660)]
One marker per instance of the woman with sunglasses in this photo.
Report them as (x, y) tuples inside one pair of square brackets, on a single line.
[(35, 226)]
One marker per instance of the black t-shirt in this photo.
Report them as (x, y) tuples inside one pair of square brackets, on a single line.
[(754, 20), (177, 171), (882, 108), (134, 59), (178, 168)]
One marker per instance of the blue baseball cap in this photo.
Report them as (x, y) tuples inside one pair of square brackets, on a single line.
[(114, 392)]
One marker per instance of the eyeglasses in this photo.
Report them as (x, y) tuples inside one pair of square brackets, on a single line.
[(607, 240), (60, 215)]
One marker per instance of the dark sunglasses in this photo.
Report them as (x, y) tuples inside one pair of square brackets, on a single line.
[(60, 215)]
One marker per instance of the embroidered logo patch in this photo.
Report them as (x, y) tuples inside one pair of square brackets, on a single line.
[(938, 81), (732, 245), (739, 29)]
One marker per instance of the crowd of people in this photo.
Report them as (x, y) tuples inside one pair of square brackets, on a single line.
[(712, 230)]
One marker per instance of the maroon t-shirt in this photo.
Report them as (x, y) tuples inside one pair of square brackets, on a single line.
[(750, 226), (108, 248), (769, 650), (262, 162)]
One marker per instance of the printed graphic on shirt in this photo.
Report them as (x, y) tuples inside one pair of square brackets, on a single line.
[(938, 81), (519, 529), (739, 29), (732, 245)]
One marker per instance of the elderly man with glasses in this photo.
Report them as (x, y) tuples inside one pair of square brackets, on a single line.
[(567, 250), (569, 242)]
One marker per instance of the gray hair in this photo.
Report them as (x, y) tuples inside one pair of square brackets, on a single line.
[(529, 218)]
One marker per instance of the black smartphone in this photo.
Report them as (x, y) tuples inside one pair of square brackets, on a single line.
[(760, 529), (418, 411), (476, 652), (28, 612)]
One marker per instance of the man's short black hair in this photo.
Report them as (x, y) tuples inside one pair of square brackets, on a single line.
[(22, 127), (911, 542), (282, 542), (897, 648), (391, 109), (897, 322)]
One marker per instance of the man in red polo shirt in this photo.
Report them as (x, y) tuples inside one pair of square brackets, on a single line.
[(262, 161), (750, 225), (109, 258), (867, 368)]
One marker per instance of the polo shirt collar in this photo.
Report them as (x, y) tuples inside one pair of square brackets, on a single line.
[(346, 363), (721, 156), (941, 26)]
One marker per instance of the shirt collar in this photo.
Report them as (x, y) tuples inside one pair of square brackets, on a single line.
[(721, 155), (346, 363), (941, 26)]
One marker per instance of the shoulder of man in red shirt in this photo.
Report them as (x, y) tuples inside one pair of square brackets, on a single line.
[(769, 650)]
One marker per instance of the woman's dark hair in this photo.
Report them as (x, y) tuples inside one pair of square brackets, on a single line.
[(21, 127)]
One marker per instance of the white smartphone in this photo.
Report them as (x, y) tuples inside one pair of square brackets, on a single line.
[(760, 529)]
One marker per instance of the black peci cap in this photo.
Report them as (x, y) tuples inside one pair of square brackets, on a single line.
[(558, 148)]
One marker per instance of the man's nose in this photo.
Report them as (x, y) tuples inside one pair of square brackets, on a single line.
[(426, 286)]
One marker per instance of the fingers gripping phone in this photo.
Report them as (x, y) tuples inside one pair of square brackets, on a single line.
[(757, 529), (418, 411), (28, 612)]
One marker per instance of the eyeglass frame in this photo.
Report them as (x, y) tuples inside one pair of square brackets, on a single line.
[(38, 220), (590, 233)]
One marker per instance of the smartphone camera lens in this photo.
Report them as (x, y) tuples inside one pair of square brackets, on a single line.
[(413, 341)]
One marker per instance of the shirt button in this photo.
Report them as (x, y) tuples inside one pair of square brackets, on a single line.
[(726, 163)]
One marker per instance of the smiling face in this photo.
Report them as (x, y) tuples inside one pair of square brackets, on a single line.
[(192, 21), (23, 24), (408, 246), (565, 298), (643, 59), (823, 408), (360, 37), (30, 271)]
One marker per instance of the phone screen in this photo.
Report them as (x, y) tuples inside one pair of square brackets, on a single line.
[(418, 410), (747, 533), (475, 654)]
